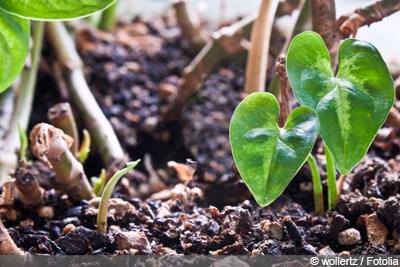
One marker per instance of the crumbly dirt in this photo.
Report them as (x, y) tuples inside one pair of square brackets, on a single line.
[(156, 209)]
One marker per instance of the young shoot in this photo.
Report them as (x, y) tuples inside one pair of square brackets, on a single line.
[(346, 109), (105, 196)]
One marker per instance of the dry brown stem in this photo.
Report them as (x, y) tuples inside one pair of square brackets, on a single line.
[(323, 14), (350, 23), (190, 24), (284, 102), (226, 42), (51, 145)]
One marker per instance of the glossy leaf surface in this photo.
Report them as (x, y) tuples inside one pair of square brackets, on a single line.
[(55, 9), (352, 105), (266, 155), (14, 47)]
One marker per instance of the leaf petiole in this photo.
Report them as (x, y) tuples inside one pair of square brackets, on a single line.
[(317, 185), (331, 178)]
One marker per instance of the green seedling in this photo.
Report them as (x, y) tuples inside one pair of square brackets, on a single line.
[(23, 137), (347, 109), (15, 28), (267, 156), (84, 150), (98, 183), (105, 196)]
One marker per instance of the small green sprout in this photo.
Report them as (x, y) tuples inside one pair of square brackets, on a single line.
[(23, 138), (346, 109), (84, 150), (105, 196), (98, 183)]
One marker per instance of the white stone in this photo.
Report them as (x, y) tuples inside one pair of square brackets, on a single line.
[(349, 237)]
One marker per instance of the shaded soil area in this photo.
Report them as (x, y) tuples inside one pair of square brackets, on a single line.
[(156, 209)]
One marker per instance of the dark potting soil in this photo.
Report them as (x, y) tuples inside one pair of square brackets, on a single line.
[(132, 73)]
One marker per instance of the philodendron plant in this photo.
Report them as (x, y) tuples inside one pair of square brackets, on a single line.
[(15, 28), (346, 109)]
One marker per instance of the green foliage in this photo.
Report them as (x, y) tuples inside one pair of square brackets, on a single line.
[(15, 33), (98, 183), (14, 47), (352, 105), (105, 196), (267, 156), (347, 109), (53, 10)]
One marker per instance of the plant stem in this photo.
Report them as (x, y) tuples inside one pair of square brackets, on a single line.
[(6, 111), (101, 131), (323, 13), (256, 69), (303, 23), (349, 24), (61, 116), (22, 112), (284, 102), (190, 24), (29, 191), (317, 186), (107, 19), (105, 196), (7, 244), (51, 145), (331, 177), (226, 42)]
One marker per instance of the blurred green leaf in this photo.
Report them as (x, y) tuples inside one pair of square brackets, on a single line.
[(14, 47), (55, 9)]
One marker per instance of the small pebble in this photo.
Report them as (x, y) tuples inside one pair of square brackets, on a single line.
[(326, 251), (376, 231), (276, 231), (349, 237)]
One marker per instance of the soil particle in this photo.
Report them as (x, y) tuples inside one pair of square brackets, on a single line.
[(337, 223), (349, 237), (376, 231), (293, 231), (82, 241), (135, 243)]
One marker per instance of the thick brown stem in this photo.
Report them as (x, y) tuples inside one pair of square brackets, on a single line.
[(284, 102), (350, 23), (323, 14)]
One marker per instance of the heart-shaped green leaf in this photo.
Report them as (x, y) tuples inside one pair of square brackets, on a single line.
[(267, 156), (14, 47), (351, 106), (54, 9)]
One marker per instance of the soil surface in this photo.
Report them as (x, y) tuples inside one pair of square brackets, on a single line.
[(158, 209)]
